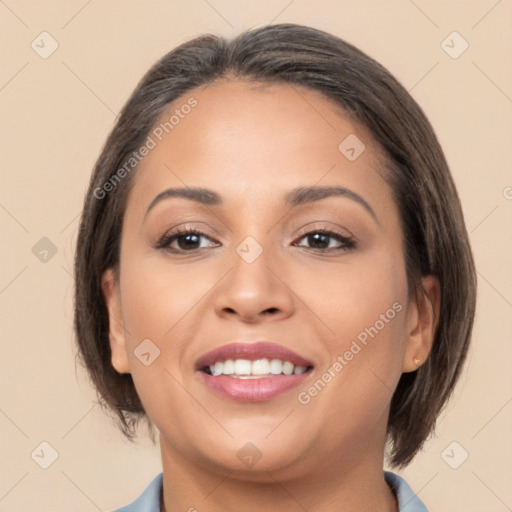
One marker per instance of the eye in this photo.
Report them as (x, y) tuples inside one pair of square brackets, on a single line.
[(186, 240), (321, 239), (189, 240)]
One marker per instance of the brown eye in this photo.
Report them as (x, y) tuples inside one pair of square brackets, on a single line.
[(322, 240), (185, 240)]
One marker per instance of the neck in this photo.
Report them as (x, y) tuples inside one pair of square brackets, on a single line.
[(190, 486)]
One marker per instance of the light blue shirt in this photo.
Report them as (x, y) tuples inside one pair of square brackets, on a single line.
[(149, 500)]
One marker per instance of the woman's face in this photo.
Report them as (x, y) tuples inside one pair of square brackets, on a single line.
[(259, 268)]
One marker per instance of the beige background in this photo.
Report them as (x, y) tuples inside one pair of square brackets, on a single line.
[(56, 113)]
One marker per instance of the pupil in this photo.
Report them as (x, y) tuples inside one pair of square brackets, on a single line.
[(318, 238), (188, 237)]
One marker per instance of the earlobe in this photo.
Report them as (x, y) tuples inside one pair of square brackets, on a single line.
[(116, 331), (422, 323)]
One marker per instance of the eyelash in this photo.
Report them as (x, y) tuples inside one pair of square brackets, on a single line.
[(164, 243)]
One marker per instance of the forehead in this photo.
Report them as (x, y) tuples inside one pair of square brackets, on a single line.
[(246, 138)]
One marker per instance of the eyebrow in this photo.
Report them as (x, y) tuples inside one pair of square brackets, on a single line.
[(296, 197)]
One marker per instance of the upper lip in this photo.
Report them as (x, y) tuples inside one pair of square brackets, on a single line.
[(251, 351)]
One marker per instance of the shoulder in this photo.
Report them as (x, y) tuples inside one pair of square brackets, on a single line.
[(149, 500), (408, 501)]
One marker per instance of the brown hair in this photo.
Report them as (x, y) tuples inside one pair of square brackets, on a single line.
[(436, 241)]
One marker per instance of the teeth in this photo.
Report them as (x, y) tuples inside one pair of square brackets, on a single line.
[(288, 368), (245, 369), (242, 367), (217, 369), (276, 367), (260, 367), (228, 368)]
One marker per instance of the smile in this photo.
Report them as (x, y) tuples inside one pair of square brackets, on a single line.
[(258, 369), (252, 372)]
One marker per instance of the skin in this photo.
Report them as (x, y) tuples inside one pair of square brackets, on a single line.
[(253, 144)]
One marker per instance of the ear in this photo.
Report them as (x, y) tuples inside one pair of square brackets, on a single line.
[(116, 331), (423, 316)]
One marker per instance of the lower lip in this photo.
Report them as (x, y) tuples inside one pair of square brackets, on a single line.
[(253, 390)]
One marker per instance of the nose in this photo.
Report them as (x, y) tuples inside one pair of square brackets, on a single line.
[(256, 291)]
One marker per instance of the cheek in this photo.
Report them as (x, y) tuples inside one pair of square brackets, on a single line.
[(157, 297), (349, 298), (364, 306)]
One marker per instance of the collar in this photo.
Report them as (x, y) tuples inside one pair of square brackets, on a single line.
[(149, 500)]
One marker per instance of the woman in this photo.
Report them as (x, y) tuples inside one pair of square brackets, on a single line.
[(272, 268)]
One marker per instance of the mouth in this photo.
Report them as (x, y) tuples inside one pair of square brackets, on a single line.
[(252, 372)]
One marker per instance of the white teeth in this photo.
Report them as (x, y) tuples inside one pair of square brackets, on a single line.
[(217, 368), (245, 369), (288, 368), (276, 367), (228, 368), (260, 367)]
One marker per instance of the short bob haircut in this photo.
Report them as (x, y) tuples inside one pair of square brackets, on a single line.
[(435, 238)]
